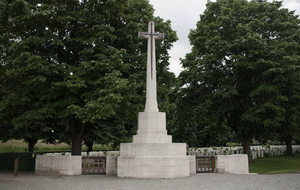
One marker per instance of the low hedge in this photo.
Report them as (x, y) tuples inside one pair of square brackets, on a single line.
[(26, 161)]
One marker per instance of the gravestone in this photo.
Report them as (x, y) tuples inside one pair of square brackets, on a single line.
[(152, 153)]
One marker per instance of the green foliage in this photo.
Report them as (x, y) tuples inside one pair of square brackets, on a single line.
[(214, 148), (245, 63), (195, 125), (18, 146), (232, 144), (26, 161), (72, 66)]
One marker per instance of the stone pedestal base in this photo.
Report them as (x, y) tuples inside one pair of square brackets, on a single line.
[(152, 153), (153, 166), (152, 128), (153, 160)]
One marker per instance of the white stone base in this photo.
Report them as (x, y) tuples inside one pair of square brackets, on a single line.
[(152, 138), (152, 149), (152, 153), (152, 128), (153, 160), (154, 167)]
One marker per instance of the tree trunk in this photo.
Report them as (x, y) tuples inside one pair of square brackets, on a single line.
[(31, 142), (79, 131), (89, 145), (76, 145), (289, 148), (246, 147)]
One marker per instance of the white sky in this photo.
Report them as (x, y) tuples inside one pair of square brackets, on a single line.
[(184, 14)]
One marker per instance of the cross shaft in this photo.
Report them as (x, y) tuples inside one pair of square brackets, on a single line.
[(151, 97)]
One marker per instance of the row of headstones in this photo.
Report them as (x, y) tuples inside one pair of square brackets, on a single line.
[(214, 152), (59, 154), (236, 149), (102, 153), (256, 151), (93, 153)]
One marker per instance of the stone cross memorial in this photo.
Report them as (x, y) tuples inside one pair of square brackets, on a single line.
[(152, 153), (151, 102)]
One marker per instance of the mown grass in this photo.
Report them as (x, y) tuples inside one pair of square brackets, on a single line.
[(19, 146), (276, 165)]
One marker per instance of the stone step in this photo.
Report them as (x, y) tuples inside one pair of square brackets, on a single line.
[(152, 138), (154, 166), (152, 149)]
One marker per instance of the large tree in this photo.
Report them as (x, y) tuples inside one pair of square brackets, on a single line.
[(76, 62), (242, 52)]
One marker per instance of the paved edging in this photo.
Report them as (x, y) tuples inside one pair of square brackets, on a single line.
[(199, 181)]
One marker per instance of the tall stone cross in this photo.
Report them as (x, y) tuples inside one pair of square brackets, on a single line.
[(151, 93)]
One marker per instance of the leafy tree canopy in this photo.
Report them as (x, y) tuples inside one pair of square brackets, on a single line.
[(68, 64), (243, 56)]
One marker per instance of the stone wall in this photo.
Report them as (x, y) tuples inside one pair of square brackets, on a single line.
[(232, 163), (111, 165), (58, 165), (192, 165)]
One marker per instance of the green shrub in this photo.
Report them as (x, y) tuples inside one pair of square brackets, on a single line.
[(7, 161), (232, 144), (26, 161)]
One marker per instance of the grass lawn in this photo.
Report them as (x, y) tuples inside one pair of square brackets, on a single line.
[(276, 165)]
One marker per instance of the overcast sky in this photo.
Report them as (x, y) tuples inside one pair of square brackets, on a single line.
[(184, 15)]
